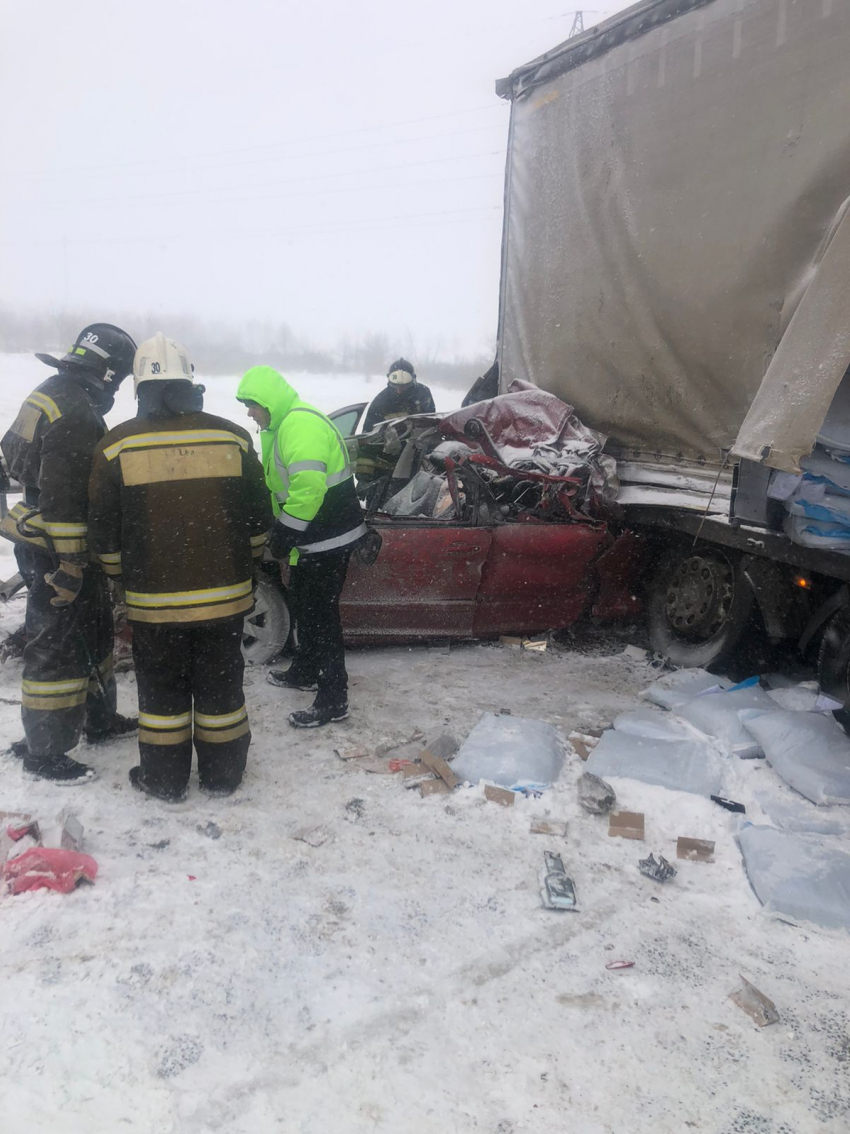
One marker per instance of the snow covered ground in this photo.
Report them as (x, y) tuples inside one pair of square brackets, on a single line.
[(403, 977)]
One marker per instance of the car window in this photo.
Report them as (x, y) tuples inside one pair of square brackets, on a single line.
[(346, 420)]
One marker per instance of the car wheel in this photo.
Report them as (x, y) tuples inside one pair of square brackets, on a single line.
[(834, 658), (699, 605), (267, 627)]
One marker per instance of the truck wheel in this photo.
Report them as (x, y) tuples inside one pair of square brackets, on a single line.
[(267, 628), (834, 658), (699, 604)]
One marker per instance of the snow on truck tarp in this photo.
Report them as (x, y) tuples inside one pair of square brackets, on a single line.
[(675, 262)]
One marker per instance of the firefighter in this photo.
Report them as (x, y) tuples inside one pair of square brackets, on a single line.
[(319, 521), (180, 511), (403, 395), (68, 683)]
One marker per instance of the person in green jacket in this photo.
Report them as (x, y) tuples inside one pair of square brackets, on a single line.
[(318, 516)]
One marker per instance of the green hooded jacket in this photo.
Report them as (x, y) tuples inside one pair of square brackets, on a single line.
[(306, 465)]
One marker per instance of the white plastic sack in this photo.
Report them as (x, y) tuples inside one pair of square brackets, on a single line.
[(722, 716), (836, 473), (801, 877), (809, 751), (653, 723), (681, 760), (681, 685), (510, 751), (790, 811), (817, 533)]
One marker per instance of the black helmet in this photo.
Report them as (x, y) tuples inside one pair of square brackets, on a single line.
[(401, 367), (103, 350)]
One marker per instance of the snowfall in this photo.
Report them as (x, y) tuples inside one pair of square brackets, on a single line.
[(403, 975)]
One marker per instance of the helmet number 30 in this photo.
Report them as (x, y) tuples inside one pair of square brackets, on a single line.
[(155, 368), (90, 338)]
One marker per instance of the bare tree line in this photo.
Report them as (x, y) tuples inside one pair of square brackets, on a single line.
[(218, 348)]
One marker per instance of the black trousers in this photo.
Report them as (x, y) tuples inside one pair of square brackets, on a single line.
[(59, 691), (315, 586), (190, 687)]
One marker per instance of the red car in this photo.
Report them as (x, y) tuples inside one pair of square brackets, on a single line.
[(469, 577)]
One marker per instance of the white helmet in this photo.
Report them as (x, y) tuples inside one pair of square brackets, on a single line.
[(161, 359)]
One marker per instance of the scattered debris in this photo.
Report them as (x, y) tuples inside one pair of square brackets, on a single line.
[(439, 766), (379, 767), (397, 765), (556, 827), (729, 804), (695, 850), (412, 775), (626, 824), (211, 830), (161, 845), (352, 753), (48, 868), (660, 871), (433, 787), (595, 795), (499, 795), (444, 744), (24, 830), (534, 645), (72, 832), (634, 652), (757, 1006), (314, 836), (582, 743), (559, 892), (356, 807), (613, 965)]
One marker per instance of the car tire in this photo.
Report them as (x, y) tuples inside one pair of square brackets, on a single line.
[(698, 606), (267, 628), (834, 658)]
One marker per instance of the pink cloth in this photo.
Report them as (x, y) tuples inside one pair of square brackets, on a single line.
[(48, 868)]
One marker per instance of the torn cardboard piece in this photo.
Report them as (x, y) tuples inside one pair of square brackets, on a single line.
[(758, 1007), (433, 787), (583, 743), (499, 795), (695, 850), (357, 753), (555, 827), (72, 833), (439, 766), (626, 824)]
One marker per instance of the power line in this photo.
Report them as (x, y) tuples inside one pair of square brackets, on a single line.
[(196, 192), (496, 104)]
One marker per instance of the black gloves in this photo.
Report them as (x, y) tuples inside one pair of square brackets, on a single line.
[(281, 541)]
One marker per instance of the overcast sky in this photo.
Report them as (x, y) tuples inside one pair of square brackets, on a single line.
[(337, 166)]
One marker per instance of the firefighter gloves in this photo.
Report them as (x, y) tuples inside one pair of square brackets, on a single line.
[(67, 581)]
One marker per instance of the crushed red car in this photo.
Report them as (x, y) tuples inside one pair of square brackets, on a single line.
[(496, 519)]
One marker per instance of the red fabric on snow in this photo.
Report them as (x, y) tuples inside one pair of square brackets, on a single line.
[(48, 868)]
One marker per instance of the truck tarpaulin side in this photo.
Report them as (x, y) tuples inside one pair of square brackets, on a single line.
[(675, 258)]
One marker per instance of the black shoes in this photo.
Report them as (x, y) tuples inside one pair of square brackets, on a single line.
[(318, 715), (119, 727), (59, 769), (18, 748), (220, 791), (167, 796), (286, 679)]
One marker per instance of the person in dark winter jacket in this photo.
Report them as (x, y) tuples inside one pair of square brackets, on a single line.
[(402, 396), (180, 510), (68, 683)]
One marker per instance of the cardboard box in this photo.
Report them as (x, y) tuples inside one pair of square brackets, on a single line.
[(757, 1006), (556, 827), (625, 824), (438, 765), (433, 787), (499, 795), (695, 850)]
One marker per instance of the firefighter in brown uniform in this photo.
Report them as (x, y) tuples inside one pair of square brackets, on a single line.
[(68, 681), (179, 509)]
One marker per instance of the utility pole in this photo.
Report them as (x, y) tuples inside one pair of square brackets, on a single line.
[(578, 24)]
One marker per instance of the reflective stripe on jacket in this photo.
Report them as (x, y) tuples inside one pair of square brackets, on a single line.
[(306, 465)]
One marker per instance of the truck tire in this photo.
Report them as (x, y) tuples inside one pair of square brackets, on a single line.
[(266, 629), (834, 658), (698, 606)]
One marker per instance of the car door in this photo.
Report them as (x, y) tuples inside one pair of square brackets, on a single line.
[(422, 585), (537, 577)]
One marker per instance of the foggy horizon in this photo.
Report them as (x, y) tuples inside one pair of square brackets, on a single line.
[(338, 172)]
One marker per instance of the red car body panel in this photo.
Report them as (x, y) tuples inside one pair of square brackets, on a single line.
[(537, 577), (617, 571), (424, 583)]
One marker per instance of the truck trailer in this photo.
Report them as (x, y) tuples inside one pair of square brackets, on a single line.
[(676, 266)]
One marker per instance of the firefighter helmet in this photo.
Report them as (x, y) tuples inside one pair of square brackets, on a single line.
[(103, 350), (161, 359)]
